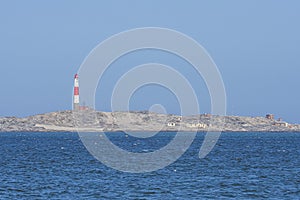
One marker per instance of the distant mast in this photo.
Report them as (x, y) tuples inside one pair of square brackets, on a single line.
[(76, 93)]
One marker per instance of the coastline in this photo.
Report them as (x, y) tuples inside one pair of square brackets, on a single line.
[(140, 121)]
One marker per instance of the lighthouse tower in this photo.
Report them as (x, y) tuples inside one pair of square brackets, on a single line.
[(76, 93)]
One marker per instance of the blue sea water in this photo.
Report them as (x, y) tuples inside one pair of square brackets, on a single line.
[(241, 166)]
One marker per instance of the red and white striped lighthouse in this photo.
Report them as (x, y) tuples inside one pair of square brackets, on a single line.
[(76, 93)]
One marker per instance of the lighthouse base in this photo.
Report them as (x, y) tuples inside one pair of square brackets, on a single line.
[(76, 106)]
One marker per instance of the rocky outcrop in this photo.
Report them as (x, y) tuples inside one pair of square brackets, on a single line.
[(89, 121)]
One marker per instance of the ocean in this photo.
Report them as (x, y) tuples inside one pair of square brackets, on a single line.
[(241, 166)]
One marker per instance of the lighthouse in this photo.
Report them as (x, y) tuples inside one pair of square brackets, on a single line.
[(76, 93)]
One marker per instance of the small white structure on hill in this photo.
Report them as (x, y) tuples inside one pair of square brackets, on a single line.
[(197, 125), (282, 124), (171, 124)]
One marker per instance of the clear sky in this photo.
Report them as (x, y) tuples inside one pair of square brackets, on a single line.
[(254, 43)]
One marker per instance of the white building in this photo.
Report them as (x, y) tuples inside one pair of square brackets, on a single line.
[(171, 124), (197, 125)]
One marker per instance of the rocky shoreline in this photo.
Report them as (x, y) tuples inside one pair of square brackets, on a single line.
[(94, 121)]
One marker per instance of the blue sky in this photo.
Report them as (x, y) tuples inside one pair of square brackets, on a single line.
[(255, 45)]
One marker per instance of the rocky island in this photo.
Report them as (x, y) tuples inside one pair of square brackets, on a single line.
[(67, 121)]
